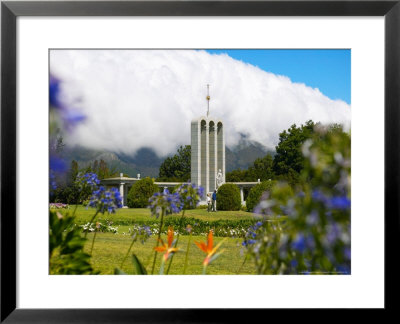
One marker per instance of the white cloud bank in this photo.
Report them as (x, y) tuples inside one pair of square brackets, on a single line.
[(142, 98)]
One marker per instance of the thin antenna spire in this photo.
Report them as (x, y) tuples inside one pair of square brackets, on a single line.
[(208, 99)]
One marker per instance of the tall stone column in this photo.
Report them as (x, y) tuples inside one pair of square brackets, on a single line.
[(241, 195), (204, 155), (195, 173), (122, 193), (212, 155)]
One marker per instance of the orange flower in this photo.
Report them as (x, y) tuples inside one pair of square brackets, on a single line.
[(208, 249), (167, 247)]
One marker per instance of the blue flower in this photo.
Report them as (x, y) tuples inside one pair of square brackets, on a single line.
[(169, 203), (248, 242), (143, 232), (301, 194), (333, 233), (299, 244), (343, 269), (340, 202), (72, 117), (106, 200), (69, 116), (53, 184), (88, 179), (190, 195), (312, 218), (318, 195), (347, 253), (54, 92), (251, 234), (57, 164)]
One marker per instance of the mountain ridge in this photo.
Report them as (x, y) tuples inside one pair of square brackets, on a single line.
[(146, 162)]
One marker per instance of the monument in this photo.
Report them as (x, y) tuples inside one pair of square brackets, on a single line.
[(207, 161), (207, 151)]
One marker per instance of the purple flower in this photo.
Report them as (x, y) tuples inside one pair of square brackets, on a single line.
[(264, 207), (347, 253), (54, 92), (340, 202), (312, 218), (248, 242), (251, 234), (88, 179), (143, 232), (57, 164), (165, 202), (53, 184), (299, 244), (190, 195), (106, 200), (318, 195), (333, 233), (343, 269), (70, 116)]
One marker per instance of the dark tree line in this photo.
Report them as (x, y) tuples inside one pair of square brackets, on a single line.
[(286, 164), (67, 189), (176, 168)]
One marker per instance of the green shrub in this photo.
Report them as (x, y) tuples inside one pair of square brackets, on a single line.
[(140, 193), (256, 192), (228, 197)]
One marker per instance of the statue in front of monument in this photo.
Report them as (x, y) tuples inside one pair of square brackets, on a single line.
[(219, 179)]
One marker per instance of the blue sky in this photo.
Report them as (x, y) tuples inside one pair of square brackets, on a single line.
[(327, 70)]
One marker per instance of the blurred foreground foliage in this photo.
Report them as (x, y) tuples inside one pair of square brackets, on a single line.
[(315, 236), (66, 247)]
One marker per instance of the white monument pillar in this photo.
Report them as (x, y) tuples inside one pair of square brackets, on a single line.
[(207, 151), (121, 192), (241, 195)]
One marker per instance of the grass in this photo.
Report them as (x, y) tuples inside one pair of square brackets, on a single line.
[(127, 216), (110, 249)]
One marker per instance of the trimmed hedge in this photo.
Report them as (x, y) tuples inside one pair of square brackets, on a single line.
[(256, 192), (221, 228), (140, 193), (228, 197)]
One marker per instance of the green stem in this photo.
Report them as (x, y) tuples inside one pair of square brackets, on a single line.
[(162, 266), (76, 205), (158, 239), (187, 253), (127, 253), (244, 261), (91, 221), (177, 239), (204, 269), (94, 237)]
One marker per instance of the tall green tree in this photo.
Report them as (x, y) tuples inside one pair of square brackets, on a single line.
[(289, 160), (262, 169), (177, 167), (237, 175), (102, 169)]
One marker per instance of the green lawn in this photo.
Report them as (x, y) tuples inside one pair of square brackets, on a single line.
[(110, 249), (126, 216)]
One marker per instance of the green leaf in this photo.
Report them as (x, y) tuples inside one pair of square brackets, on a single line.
[(118, 271), (140, 269)]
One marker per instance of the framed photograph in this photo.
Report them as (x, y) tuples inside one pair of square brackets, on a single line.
[(241, 148)]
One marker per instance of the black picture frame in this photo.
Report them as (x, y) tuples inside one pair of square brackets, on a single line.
[(10, 10)]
